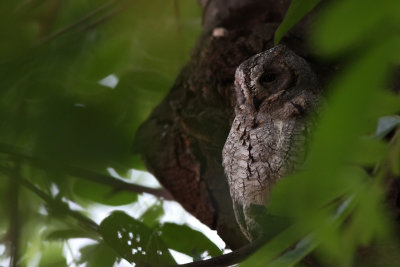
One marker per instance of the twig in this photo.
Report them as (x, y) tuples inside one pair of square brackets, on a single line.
[(78, 23), (104, 18), (205, 9), (231, 258), (177, 16), (60, 207), (118, 185), (14, 227)]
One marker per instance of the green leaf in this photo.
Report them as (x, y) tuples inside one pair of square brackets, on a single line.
[(274, 248), (152, 215), (99, 254), (368, 152), (69, 233), (343, 24), (370, 220), (102, 193), (52, 255), (295, 242), (184, 239), (134, 241), (89, 136), (293, 256), (271, 225), (385, 103), (297, 10)]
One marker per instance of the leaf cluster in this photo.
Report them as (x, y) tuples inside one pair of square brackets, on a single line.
[(77, 78)]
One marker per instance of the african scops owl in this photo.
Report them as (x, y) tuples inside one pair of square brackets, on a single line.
[(275, 91)]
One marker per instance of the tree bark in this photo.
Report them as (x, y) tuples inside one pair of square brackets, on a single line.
[(181, 142)]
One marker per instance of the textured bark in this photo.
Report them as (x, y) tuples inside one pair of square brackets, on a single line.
[(182, 140)]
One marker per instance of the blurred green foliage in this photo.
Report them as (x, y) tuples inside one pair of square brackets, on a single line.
[(55, 55), (297, 10), (77, 78), (134, 241), (337, 201)]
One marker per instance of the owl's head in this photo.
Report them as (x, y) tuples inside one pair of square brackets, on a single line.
[(268, 81)]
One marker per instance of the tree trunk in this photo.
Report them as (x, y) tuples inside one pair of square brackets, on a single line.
[(181, 142)]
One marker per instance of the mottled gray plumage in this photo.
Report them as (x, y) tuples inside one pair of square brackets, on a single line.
[(275, 90)]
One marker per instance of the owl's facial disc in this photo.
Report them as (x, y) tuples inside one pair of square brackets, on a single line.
[(266, 81)]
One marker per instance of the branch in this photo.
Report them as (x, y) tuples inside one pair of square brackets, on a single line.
[(231, 258), (117, 184)]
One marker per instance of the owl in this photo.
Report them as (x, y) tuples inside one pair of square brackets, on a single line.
[(276, 91)]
